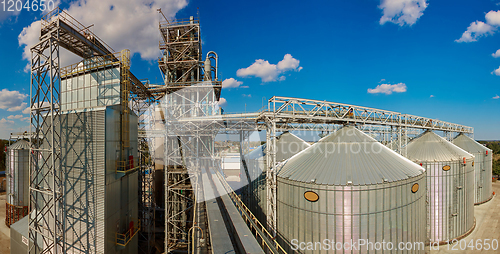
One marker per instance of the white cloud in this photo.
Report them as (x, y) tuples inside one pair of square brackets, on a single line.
[(262, 69), (131, 24), (496, 54), (56, 4), (18, 108), (493, 18), (4, 15), (496, 97), (222, 101), (29, 37), (389, 89), (432, 96), (231, 83), (247, 95), (476, 30), (288, 63), (12, 100), (402, 12), (4, 122), (244, 86), (15, 117), (479, 29), (270, 72), (26, 110), (496, 72)]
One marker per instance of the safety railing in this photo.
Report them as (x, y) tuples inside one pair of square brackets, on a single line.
[(90, 64), (58, 13), (253, 222), (123, 167), (125, 238)]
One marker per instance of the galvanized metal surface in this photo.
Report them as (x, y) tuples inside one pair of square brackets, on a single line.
[(19, 238), (431, 147), (348, 157), (287, 145), (17, 167), (96, 89), (372, 210), (450, 186), (98, 201), (219, 237), (483, 163)]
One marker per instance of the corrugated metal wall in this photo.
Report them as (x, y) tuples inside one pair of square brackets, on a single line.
[(99, 202), (387, 212), (83, 154), (450, 199), (17, 163), (96, 89)]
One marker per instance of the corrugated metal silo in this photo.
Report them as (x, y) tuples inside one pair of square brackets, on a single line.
[(483, 163), (287, 145), (349, 187), (17, 165), (450, 186)]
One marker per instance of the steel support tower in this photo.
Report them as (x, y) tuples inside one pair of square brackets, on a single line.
[(62, 184), (191, 89)]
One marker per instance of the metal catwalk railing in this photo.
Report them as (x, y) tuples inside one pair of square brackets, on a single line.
[(267, 242)]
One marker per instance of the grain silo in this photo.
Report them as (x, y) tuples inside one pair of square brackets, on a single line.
[(287, 145), (17, 165), (349, 187), (450, 186), (483, 163)]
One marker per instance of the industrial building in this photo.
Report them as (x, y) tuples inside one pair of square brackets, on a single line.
[(450, 186), (483, 163), (120, 165), (17, 166), (350, 193), (254, 171)]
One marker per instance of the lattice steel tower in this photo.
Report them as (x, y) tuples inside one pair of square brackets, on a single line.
[(191, 89)]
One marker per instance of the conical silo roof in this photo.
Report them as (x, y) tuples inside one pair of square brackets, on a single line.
[(348, 156), (21, 144), (288, 145), (431, 147), (469, 144)]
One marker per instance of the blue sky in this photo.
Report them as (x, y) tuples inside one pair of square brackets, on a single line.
[(326, 50)]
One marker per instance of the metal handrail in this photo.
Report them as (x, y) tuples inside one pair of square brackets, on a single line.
[(184, 21), (244, 211), (101, 61), (58, 13), (124, 239)]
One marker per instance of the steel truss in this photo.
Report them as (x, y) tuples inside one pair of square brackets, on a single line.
[(143, 109), (295, 114), (62, 184), (191, 90), (46, 228)]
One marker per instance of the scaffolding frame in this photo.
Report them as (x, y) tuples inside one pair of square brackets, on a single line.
[(191, 127), (190, 89), (46, 186), (296, 114), (48, 223)]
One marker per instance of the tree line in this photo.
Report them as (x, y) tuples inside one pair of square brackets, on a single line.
[(495, 146)]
